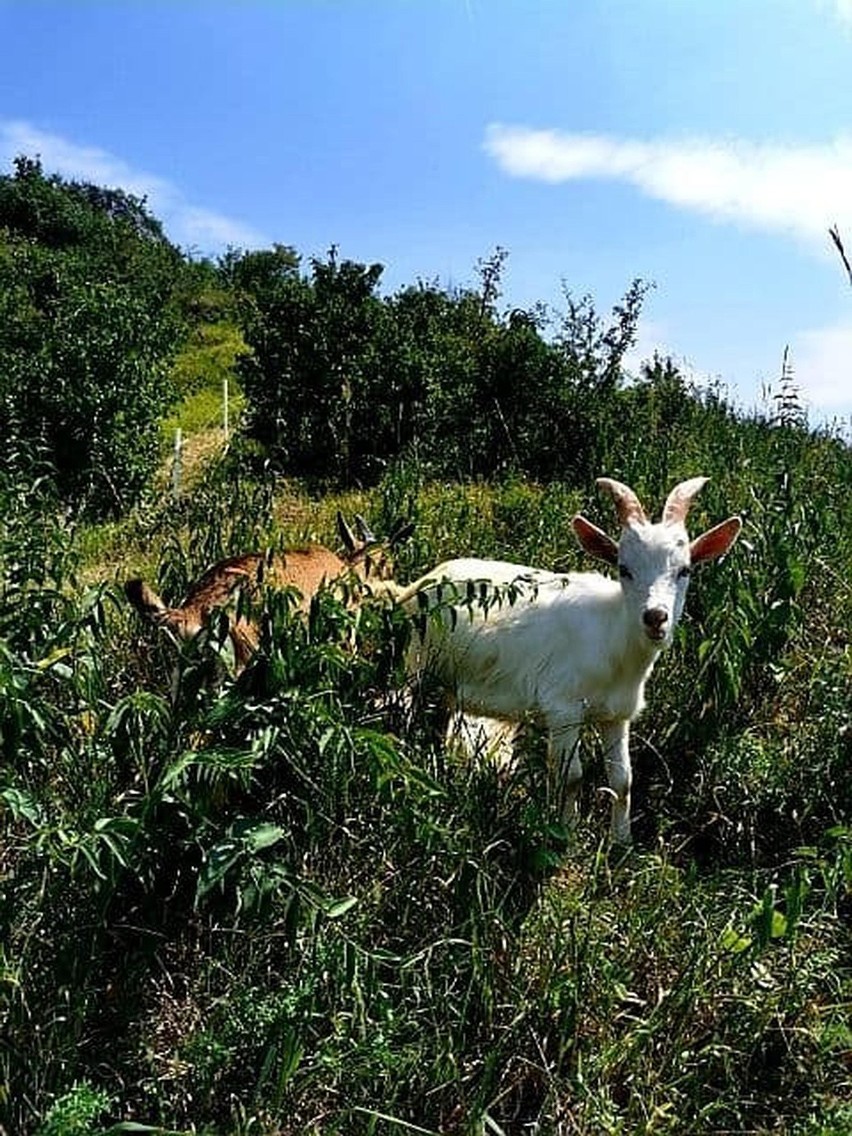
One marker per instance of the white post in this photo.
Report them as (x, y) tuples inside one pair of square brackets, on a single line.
[(176, 463), (225, 405)]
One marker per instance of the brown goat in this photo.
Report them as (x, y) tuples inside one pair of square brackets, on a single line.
[(305, 569)]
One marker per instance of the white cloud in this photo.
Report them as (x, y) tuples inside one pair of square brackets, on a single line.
[(655, 338), (204, 229), (186, 224), (821, 361), (842, 9), (800, 190), (822, 368), (652, 338)]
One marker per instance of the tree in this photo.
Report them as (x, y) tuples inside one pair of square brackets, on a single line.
[(341, 381), (88, 324), (311, 341)]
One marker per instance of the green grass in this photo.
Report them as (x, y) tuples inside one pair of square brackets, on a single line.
[(203, 410), (279, 906)]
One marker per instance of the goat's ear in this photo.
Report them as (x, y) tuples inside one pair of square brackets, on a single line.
[(347, 536), (364, 531), (594, 540), (716, 541)]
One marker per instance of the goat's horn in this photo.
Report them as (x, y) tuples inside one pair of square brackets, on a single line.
[(627, 504), (347, 536), (679, 500), (364, 530)]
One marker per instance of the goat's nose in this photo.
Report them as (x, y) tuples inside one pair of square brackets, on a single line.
[(654, 620)]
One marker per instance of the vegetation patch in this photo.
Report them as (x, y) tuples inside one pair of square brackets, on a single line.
[(277, 903)]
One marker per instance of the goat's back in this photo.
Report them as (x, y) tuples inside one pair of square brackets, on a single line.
[(508, 638), (304, 569), (497, 588)]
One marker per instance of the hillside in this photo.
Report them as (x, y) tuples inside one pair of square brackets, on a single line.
[(279, 904)]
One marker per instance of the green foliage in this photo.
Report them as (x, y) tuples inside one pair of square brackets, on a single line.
[(278, 903), (208, 358), (75, 1113), (59, 214), (340, 381), (86, 331), (309, 342), (283, 891)]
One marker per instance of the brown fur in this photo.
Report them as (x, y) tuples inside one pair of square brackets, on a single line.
[(305, 569)]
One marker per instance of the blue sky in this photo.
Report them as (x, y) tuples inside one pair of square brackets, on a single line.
[(703, 145)]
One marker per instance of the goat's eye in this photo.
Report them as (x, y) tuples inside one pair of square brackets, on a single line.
[(683, 573), (624, 572)]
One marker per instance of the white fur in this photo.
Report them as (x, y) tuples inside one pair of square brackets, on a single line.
[(564, 648)]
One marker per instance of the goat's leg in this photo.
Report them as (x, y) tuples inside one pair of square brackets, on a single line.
[(616, 739), (463, 736), (566, 766), (480, 737)]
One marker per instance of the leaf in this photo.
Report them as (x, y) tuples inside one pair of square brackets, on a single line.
[(55, 658), (86, 852), (769, 922), (246, 838), (798, 576), (22, 805), (779, 925), (336, 908), (734, 942), (135, 1126), (220, 860), (262, 834)]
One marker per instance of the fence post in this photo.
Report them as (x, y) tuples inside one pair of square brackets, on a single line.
[(176, 463), (225, 406)]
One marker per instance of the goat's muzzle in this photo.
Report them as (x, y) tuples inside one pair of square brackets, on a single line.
[(655, 620)]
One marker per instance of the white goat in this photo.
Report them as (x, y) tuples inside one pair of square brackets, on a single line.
[(565, 648)]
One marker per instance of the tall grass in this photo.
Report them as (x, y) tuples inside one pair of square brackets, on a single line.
[(279, 905)]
